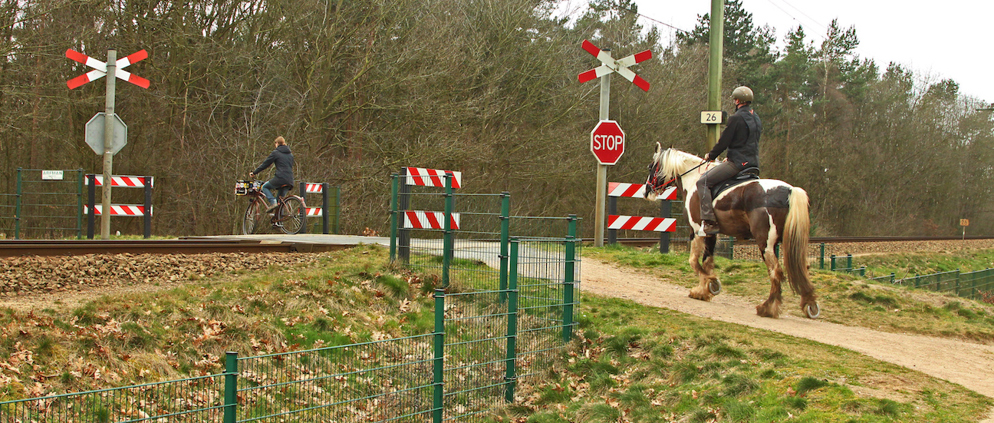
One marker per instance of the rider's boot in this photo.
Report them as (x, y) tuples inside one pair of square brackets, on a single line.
[(709, 227)]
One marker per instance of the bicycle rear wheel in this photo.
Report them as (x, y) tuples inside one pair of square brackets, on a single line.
[(253, 217), (293, 216)]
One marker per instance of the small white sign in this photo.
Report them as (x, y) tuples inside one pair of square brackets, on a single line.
[(711, 118), (51, 175)]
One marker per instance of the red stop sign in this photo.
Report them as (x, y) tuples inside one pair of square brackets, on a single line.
[(607, 142)]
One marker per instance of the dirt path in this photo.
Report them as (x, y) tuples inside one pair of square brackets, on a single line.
[(964, 363)]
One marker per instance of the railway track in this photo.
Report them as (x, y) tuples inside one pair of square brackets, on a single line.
[(12, 248), (646, 242)]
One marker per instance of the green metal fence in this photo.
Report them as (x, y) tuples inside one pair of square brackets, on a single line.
[(504, 311), (509, 300), (46, 204), (197, 399), (967, 285)]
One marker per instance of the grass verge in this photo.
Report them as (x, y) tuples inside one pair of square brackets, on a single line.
[(845, 299)]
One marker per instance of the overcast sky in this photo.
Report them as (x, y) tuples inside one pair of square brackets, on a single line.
[(949, 39)]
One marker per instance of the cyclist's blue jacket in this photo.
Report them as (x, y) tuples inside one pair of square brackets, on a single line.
[(283, 159)]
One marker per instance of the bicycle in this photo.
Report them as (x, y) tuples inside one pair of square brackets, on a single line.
[(289, 216)]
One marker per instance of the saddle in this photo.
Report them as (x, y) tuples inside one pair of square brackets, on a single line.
[(747, 174)]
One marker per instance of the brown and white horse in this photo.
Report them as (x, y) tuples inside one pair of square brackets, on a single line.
[(766, 210)]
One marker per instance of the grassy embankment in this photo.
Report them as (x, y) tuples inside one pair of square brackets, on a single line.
[(632, 363)]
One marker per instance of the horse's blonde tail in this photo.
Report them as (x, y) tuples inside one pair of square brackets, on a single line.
[(795, 244)]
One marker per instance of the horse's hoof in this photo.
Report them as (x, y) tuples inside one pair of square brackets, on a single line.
[(812, 310), (714, 287)]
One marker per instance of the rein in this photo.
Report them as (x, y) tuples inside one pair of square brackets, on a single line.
[(682, 174)]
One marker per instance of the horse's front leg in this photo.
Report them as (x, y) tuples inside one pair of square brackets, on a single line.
[(703, 268), (771, 307)]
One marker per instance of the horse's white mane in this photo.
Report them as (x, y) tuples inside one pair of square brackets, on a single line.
[(673, 162)]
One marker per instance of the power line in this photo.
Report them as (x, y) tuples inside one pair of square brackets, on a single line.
[(662, 23)]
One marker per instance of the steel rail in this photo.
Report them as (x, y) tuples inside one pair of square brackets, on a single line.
[(12, 248), (646, 242)]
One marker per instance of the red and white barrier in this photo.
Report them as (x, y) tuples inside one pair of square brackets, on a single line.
[(119, 210), (638, 223), (621, 189), (122, 181), (416, 219), (432, 177), (315, 211), (313, 188)]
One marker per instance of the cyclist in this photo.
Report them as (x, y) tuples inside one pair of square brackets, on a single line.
[(283, 159)]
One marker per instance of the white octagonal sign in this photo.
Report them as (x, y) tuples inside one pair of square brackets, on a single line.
[(95, 133)]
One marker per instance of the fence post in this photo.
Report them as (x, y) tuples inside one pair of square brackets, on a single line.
[(404, 235), (91, 193), (231, 387), (505, 233), (665, 209), (568, 276), (338, 208), (148, 207), (821, 257), (438, 362), (447, 242), (393, 217), (612, 208), (849, 261), (79, 203), (832, 258), (17, 207), (510, 375), (324, 207)]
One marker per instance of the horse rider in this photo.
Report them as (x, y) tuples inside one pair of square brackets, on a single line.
[(283, 159), (741, 139)]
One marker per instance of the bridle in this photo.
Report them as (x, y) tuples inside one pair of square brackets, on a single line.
[(654, 171)]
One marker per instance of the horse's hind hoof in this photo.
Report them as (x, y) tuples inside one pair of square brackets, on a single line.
[(812, 310), (714, 287)]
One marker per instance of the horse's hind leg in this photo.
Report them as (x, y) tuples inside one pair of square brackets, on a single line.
[(705, 268), (771, 307)]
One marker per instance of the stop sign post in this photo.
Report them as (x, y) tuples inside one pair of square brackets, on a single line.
[(607, 142)]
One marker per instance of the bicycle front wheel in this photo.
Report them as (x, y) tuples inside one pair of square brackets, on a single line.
[(293, 216), (253, 216)]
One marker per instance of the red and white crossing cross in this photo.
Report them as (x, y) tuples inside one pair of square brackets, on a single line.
[(100, 69), (610, 65)]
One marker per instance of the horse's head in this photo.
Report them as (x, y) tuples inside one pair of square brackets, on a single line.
[(660, 175)]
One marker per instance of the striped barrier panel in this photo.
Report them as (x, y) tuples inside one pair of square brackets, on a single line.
[(416, 219), (621, 189), (432, 177), (662, 224), (122, 181), (120, 210), (334, 208), (638, 223), (92, 209)]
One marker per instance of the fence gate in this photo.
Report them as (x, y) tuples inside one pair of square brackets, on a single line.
[(46, 204)]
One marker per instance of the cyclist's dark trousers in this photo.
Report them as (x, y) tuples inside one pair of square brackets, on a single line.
[(268, 188), (708, 180)]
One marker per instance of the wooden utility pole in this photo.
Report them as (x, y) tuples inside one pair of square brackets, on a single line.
[(716, 50)]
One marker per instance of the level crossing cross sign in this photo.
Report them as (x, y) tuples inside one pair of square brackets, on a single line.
[(610, 65), (607, 142), (100, 69)]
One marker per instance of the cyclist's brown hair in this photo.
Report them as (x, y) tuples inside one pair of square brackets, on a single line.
[(280, 140)]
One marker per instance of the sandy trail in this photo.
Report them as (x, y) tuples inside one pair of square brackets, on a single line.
[(968, 364)]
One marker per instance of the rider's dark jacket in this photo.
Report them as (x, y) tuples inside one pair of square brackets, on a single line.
[(283, 159), (741, 138)]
